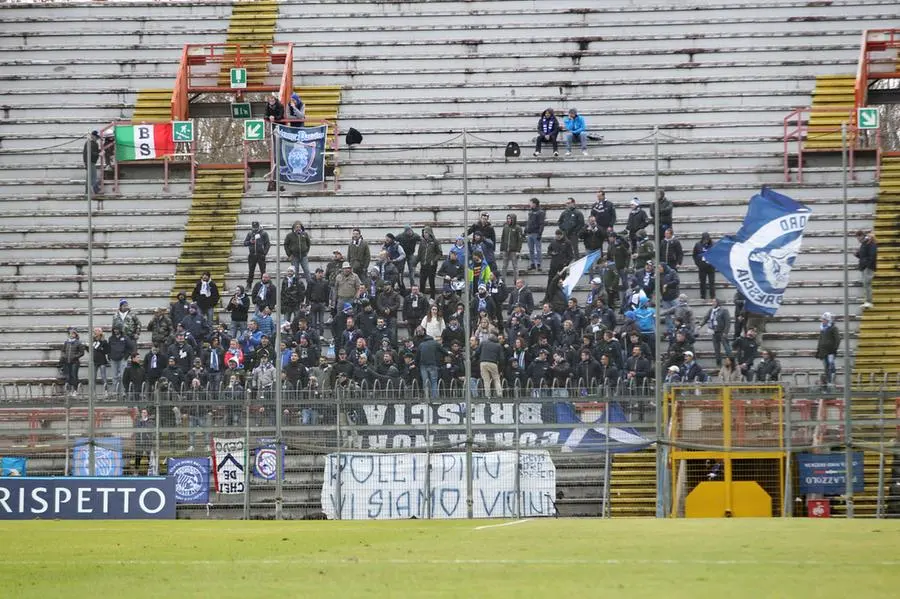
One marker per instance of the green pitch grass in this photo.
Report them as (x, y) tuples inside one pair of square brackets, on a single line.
[(731, 559)]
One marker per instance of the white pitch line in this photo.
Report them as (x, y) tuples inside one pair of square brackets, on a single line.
[(513, 523), (301, 560)]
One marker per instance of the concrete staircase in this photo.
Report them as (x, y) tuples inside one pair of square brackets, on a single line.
[(252, 25), (210, 227), (153, 105), (833, 102), (632, 484)]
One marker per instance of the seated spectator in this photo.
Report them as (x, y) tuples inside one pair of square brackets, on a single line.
[(691, 371), (729, 373), (548, 130), (576, 130), (769, 369)]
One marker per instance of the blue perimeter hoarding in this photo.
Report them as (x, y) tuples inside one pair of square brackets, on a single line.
[(825, 473), (125, 498)]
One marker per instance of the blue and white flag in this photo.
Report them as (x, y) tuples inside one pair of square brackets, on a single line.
[(107, 457), (758, 259), (621, 439), (12, 466), (302, 155), (265, 463), (577, 269), (191, 479)]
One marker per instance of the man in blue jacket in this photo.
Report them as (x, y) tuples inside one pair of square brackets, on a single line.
[(575, 130)]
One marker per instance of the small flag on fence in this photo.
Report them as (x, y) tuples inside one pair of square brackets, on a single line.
[(144, 142), (12, 466), (302, 154)]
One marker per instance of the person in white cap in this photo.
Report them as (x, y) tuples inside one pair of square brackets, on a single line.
[(637, 221), (690, 370), (827, 347), (673, 374)]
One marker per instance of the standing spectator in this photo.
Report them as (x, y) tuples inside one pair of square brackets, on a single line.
[(257, 243), (576, 130), (293, 294), (604, 212), (127, 320), (521, 296), (206, 296), (179, 308), (274, 112), (868, 262), (318, 294), (618, 251), (646, 250), (409, 241), (238, 306), (534, 231), (264, 293), (429, 256), (358, 254), (637, 221), (670, 250), (70, 360), (548, 130), (395, 254), (706, 271), (511, 244), (662, 212), (134, 376), (161, 326), (718, 320), (296, 115), (90, 156), (491, 359), (571, 221), (429, 357), (296, 246), (561, 254), (484, 227), (827, 347), (433, 322), (120, 348), (415, 307), (100, 351), (593, 237), (346, 284), (154, 363)]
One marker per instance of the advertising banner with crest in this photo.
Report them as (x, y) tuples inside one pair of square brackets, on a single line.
[(301, 159), (759, 258)]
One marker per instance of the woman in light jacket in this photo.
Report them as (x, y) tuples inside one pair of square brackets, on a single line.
[(433, 323), (729, 373)]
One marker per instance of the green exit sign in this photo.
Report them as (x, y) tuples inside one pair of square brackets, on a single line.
[(238, 78), (867, 118), (240, 110)]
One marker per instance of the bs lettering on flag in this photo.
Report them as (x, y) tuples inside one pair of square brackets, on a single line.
[(144, 142)]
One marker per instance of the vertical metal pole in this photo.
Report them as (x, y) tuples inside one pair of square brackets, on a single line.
[(657, 362), (68, 449), (246, 461), (607, 465), (467, 292), (787, 502), (427, 480), (879, 505), (848, 417), (90, 306), (339, 485), (279, 453), (518, 481)]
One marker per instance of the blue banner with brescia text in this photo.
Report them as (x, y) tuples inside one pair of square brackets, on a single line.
[(191, 479), (301, 158), (759, 258)]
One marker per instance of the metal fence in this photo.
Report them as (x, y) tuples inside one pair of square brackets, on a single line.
[(393, 451)]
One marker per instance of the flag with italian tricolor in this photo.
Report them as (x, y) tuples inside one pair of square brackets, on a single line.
[(144, 142)]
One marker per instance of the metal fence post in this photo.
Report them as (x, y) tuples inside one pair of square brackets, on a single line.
[(518, 481), (787, 502), (68, 448), (607, 465), (427, 481), (246, 455), (879, 505), (339, 468)]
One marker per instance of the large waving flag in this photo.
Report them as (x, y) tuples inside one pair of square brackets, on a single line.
[(621, 439), (577, 270), (144, 142), (758, 259)]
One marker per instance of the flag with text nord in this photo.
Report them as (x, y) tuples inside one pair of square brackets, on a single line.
[(144, 142)]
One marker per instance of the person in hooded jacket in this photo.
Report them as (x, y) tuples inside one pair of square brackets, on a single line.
[(548, 130), (120, 347), (828, 344), (296, 114), (429, 256), (70, 359), (100, 350), (637, 221), (409, 240), (534, 231), (706, 272), (511, 244)]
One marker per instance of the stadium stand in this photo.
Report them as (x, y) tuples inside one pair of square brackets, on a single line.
[(717, 79)]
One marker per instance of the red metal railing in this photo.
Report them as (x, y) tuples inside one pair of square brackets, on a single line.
[(332, 147), (797, 130), (876, 67), (107, 133)]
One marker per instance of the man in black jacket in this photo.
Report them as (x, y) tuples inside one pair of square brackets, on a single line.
[(90, 156), (561, 254), (257, 243), (604, 212), (534, 231), (637, 221), (318, 294), (571, 222), (670, 251), (408, 240), (706, 271), (868, 261)]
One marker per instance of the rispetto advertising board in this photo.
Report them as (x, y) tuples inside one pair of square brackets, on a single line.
[(125, 498)]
